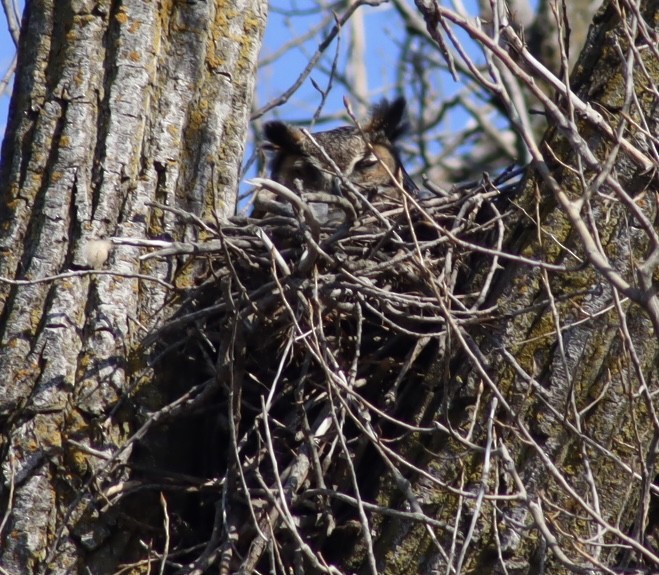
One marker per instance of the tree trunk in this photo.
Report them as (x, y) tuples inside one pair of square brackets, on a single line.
[(319, 404), (546, 461), (115, 106)]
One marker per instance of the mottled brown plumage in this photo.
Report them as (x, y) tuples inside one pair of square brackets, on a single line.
[(359, 155)]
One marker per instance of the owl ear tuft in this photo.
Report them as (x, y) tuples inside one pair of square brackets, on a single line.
[(388, 118), (282, 136)]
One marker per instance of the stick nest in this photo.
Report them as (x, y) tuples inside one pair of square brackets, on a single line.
[(320, 345)]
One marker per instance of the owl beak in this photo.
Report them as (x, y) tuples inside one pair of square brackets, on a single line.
[(336, 186), (407, 182)]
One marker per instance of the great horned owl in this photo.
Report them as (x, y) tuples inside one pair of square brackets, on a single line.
[(299, 164)]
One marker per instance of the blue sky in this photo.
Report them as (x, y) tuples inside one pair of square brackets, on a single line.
[(7, 50), (383, 37), (380, 24)]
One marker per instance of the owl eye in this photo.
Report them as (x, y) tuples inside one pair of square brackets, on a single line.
[(366, 162), (300, 168), (307, 172)]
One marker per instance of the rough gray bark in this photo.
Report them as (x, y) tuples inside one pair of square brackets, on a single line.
[(545, 32), (564, 373), (527, 446), (115, 105)]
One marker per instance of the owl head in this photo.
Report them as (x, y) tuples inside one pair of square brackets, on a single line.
[(300, 165)]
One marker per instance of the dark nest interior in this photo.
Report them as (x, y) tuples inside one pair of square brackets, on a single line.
[(313, 360)]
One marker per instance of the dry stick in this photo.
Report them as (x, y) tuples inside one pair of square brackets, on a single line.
[(381, 510), (354, 366), (197, 394), (297, 202), (5, 82), (165, 552), (536, 512), (401, 482), (556, 320), (363, 519), (649, 457), (347, 183), (485, 477), (570, 427), (11, 480), (570, 130), (297, 475), (494, 266), (332, 73), (315, 58), (233, 438), (419, 345), (316, 466), (83, 273), (495, 521), (457, 518), (282, 506), (185, 216), (12, 16), (644, 296), (479, 365), (321, 343)]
